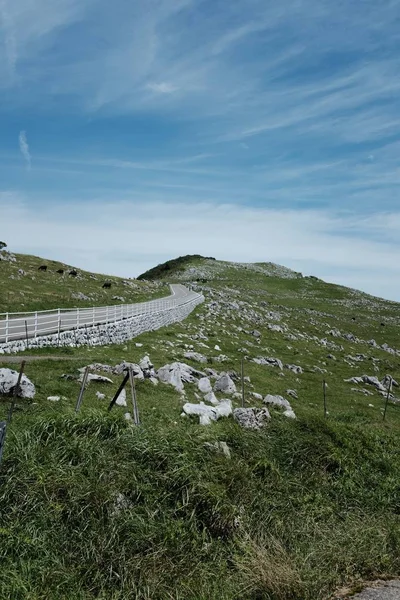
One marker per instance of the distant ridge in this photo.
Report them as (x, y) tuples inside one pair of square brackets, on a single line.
[(171, 266)]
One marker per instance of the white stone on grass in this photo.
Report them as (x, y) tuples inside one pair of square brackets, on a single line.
[(211, 397), (251, 418), (53, 398), (277, 401), (177, 374), (8, 381), (204, 385), (196, 356), (121, 400), (225, 384)]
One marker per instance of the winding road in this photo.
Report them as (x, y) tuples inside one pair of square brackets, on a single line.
[(16, 326)]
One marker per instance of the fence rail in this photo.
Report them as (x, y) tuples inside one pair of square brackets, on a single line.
[(30, 325)]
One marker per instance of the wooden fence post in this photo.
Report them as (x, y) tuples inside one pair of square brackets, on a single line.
[(134, 398), (81, 391), (387, 397)]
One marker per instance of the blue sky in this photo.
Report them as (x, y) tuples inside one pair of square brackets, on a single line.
[(135, 131)]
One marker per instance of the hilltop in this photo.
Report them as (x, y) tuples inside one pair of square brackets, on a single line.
[(24, 287), (290, 511)]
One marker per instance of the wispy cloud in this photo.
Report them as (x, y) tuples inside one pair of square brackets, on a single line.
[(322, 243), (6, 25), (23, 146), (162, 88)]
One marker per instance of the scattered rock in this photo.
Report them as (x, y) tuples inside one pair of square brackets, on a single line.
[(100, 396), (196, 356), (225, 384), (277, 401), (292, 393), (94, 377), (204, 385), (295, 368), (54, 398), (251, 418), (177, 374), (121, 400), (270, 362), (79, 296), (145, 363), (211, 397), (8, 381)]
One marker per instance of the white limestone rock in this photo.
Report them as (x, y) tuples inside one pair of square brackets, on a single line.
[(251, 418), (225, 384), (277, 401), (177, 374), (8, 381), (204, 385), (196, 356), (121, 400)]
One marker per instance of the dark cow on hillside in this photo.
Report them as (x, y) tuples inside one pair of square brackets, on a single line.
[(73, 273), (106, 285), (42, 268), (61, 271)]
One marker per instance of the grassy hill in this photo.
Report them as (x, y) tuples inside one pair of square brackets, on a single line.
[(95, 508), (23, 287)]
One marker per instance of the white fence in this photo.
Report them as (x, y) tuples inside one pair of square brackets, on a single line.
[(28, 325)]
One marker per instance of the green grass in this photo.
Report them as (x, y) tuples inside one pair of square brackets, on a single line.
[(37, 290), (302, 507)]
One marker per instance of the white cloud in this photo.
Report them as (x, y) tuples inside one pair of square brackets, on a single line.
[(307, 240), (162, 88), (23, 146)]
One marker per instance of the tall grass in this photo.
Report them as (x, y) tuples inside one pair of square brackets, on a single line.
[(298, 510)]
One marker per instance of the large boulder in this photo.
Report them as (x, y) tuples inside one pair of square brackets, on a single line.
[(204, 385), (8, 381), (225, 384), (251, 418), (177, 374)]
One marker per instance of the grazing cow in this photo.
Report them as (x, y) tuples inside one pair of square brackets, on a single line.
[(61, 271), (42, 268), (106, 285), (73, 273)]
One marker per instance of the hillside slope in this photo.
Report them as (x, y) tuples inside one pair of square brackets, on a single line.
[(23, 287), (303, 505)]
